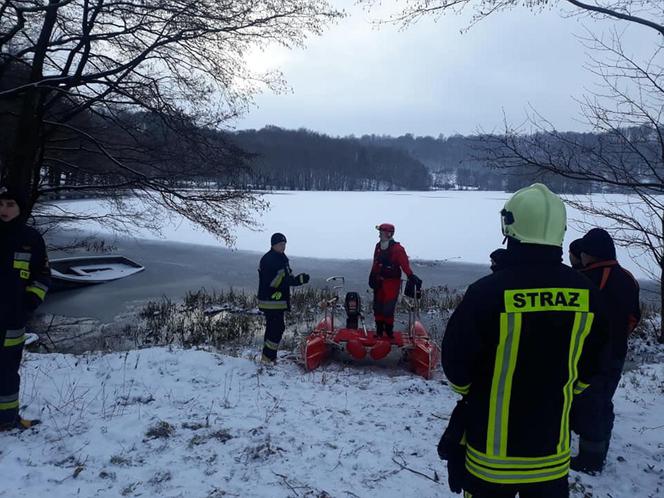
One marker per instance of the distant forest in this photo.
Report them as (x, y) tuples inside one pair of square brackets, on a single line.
[(306, 160), (468, 162)]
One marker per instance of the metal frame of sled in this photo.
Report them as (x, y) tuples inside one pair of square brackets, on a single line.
[(421, 353)]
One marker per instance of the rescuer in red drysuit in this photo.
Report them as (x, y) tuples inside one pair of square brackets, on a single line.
[(389, 260)]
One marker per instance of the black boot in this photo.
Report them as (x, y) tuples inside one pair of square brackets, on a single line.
[(591, 457), (19, 423), (380, 327), (389, 330)]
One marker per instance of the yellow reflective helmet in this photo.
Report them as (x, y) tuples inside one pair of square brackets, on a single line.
[(535, 215)]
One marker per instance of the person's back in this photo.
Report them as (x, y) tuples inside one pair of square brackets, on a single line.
[(519, 346), (273, 271), (620, 290), (592, 414), (524, 371)]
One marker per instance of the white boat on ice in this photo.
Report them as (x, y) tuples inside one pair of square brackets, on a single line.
[(85, 270)]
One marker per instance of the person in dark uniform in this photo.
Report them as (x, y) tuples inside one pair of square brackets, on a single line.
[(24, 280), (592, 412), (389, 260), (521, 344), (275, 278), (575, 254), (498, 259)]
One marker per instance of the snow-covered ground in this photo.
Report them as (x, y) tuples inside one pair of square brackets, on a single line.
[(446, 225), (189, 423), (170, 422)]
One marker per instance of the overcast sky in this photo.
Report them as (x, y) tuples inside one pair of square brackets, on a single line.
[(430, 79)]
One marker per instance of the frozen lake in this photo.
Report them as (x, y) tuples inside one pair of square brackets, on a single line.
[(441, 225)]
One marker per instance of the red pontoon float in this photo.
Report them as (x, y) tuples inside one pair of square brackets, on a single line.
[(420, 352)]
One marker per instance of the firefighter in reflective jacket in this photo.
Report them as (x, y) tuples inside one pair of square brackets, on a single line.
[(389, 260), (275, 279), (521, 344), (24, 280), (592, 413)]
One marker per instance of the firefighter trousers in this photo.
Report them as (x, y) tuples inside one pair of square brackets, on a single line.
[(558, 488), (11, 353), (592, 413), (274, 330)]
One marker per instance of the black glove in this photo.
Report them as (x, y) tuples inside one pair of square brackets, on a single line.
[(374, 281), (456, 468), (413, 287), (31, 301), (455, 454), (303, 278), (417, 281), (451, 449)]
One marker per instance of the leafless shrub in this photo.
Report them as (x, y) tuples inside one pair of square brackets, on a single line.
[(161, 430)]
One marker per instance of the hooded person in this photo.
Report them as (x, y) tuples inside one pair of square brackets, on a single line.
[(275, 278), (389, 260), (592, 412), (24, 282), (520, 344)]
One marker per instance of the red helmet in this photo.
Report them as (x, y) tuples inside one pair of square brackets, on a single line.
[(386, 227)]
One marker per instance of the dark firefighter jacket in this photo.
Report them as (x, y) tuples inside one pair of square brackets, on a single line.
[(388, 263), (520, 345), (620, 292), (275, 279), (24, 274)]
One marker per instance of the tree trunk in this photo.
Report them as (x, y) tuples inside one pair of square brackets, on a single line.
[(28, 149), (660, 339)]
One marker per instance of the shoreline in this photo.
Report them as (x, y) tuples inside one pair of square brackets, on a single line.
[(174, 268)]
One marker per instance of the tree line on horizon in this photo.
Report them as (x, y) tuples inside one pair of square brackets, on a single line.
[(307, 160)]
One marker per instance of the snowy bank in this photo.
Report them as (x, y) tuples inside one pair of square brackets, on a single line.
[(172, 423)]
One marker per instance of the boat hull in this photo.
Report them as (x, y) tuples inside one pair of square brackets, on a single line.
[(76, 272)]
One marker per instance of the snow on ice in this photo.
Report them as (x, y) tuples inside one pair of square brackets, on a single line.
[(444, 225)]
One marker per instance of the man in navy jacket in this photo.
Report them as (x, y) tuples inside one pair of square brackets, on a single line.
[(24, 280), (275, 278)]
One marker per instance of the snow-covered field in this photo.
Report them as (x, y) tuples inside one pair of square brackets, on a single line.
[(445, 225), (189, 423)]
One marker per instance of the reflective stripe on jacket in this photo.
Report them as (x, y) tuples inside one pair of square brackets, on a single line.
[(519, 346), (275, 279), (25, 275)]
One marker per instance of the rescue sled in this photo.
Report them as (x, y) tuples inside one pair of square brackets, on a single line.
[(419, 351), (86, 270)]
